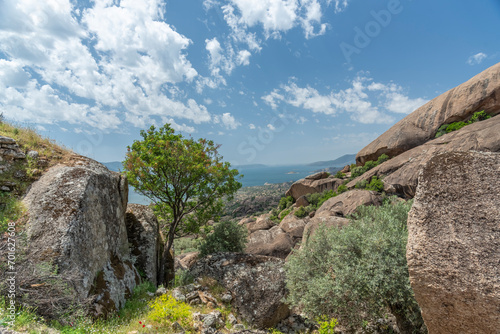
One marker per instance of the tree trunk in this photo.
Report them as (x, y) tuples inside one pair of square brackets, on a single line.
[(167, 269)]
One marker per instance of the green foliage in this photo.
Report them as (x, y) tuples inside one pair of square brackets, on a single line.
[(285, 203), (228, 236), (183, 277), (360, 170), (301, 212), (186, 245), (327, 326), (284, 213), (339, 175), (479, 116), (186, 179), (447, 128), (166, 308), (317, 199), (342, 189), (358, 272), (375, 184), (10, 210)]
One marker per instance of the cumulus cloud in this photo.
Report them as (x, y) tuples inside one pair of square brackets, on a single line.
[(252, 21), (229, 121), (356, 100), (477, 58), (101, 66)]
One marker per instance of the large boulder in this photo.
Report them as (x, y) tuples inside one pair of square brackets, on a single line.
[(400, 174), (482, 92), (145, 240), (316, 183), (326, 222), (294, 226), (348, 202), (263, 222), (454, 242), (257, 284), (76, 225), (273, 242)]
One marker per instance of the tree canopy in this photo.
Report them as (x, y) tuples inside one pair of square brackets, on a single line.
[(186, 179)]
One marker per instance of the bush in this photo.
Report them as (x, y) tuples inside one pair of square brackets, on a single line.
[(301, 212), (285, 203), (447, 128), (342, 189), (358, 272), (227, 236), (375, 184), (166, 308), (339, 175), (317, 199), (479, 116)]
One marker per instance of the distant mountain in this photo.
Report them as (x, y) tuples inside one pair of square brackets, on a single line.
[(339, 162)]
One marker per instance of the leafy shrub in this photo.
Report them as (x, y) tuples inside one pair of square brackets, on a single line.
[(166, 308), (285, 213), (301, 212), (339, 175), (479, 116), (383, 158), (360, 170), (357, 171), (358, 272), (186, 245), (183, 277), (10, 210), (285, 203), (317, 199), (227, 236), (327, 326), (375, 184), (447, 128), (342, 189), (361, 184)]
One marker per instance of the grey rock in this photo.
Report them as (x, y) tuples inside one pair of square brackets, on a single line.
[(226, 298), (192, 295), (6, 140), (76, 219), (232, 319), (257, 282), (161, 291), (33, 155), (178, 295), (144, 238)]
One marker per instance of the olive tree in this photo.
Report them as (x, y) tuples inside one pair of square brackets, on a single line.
[(185, 179)]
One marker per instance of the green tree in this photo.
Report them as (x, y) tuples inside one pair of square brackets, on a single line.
[(185, 179)]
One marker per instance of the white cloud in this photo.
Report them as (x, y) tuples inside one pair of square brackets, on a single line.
[(244, 57), (229, 121), (251, 126), (271, 127), (119, 63), (477, 58), (366, 101)]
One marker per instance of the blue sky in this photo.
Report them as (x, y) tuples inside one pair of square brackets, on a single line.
[(273, 81)]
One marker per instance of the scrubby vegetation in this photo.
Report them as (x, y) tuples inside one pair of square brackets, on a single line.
[(447, 128), (375, 184), (357, 274), (360, 170), (227, 236)]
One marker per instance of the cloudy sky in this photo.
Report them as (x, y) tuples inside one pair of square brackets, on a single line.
[(273, 81)]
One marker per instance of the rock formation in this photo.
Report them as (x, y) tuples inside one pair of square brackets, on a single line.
[(144, 239), (76, 224), (347, 203), (400, 174), (481, 92), (454, 242), (313, 184), (257, 285)]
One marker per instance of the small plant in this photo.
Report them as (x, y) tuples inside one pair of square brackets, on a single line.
[(447, 128), (375, 184), (166, 308), (183, 277), (327, 326), (339, 175), (227, 236), (342, 189), (285, 203), (301, 212)]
